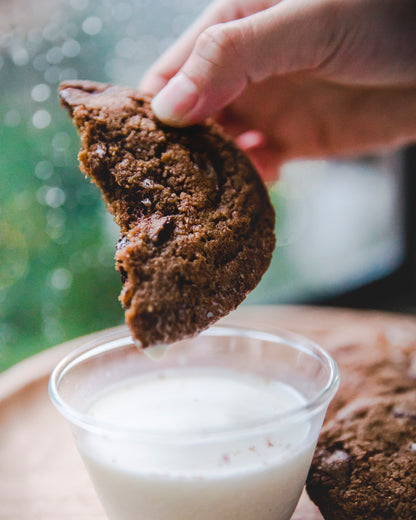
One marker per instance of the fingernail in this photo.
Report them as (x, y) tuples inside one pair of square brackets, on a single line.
[(175, 100)]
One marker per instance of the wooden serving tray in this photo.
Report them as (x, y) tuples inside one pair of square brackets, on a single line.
[(41, 474)]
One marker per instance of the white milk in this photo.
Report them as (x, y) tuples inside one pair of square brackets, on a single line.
[(185, 476)]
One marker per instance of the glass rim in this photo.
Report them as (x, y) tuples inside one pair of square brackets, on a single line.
[(114, 339)]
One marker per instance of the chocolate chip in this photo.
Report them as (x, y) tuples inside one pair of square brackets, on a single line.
[(405, 411), (338, 464), (123, 274)]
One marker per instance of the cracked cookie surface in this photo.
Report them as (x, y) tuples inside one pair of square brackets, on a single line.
[(195, 219), (365, 464)]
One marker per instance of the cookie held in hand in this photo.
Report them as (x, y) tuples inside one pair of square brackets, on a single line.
[(196, 221)]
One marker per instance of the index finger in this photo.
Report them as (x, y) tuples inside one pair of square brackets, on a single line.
[(174, 58)]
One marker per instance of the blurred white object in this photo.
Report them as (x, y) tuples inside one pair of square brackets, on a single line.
[(339, 225)]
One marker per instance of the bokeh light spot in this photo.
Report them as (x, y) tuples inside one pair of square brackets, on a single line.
[(92, 25), (52, 32), (54, 56), (56, 223), (55, 197), (44, 170), (60, 279), (61, 141), (70, 48), (40, 92), (52, 329), (41, 119), (20, 56)]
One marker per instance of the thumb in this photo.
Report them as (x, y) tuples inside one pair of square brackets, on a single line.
[(288, 37)]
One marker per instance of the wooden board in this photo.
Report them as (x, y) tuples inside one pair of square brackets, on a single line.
[(41, 474)]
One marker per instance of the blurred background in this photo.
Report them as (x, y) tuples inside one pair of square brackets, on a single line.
[(344, 228)]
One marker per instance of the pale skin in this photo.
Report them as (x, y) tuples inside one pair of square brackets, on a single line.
[(295, 78)]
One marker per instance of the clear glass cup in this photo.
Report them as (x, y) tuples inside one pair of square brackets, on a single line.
[(250, 464)]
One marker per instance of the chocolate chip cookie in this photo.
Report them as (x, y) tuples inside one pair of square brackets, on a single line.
[(196, 221), (378, 372), (365, 463)]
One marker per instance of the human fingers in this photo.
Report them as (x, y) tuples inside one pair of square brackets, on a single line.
[(302, 116), (220, 11), (262, 149), (376, 45), (318, 118), (291, 36), (263, 154)]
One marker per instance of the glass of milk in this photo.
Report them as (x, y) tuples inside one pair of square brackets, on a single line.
[(223, 426)]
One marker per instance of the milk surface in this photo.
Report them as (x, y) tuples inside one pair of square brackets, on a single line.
[(193, 472)]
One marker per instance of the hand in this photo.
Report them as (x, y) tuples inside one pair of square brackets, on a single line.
[(296, 78)]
